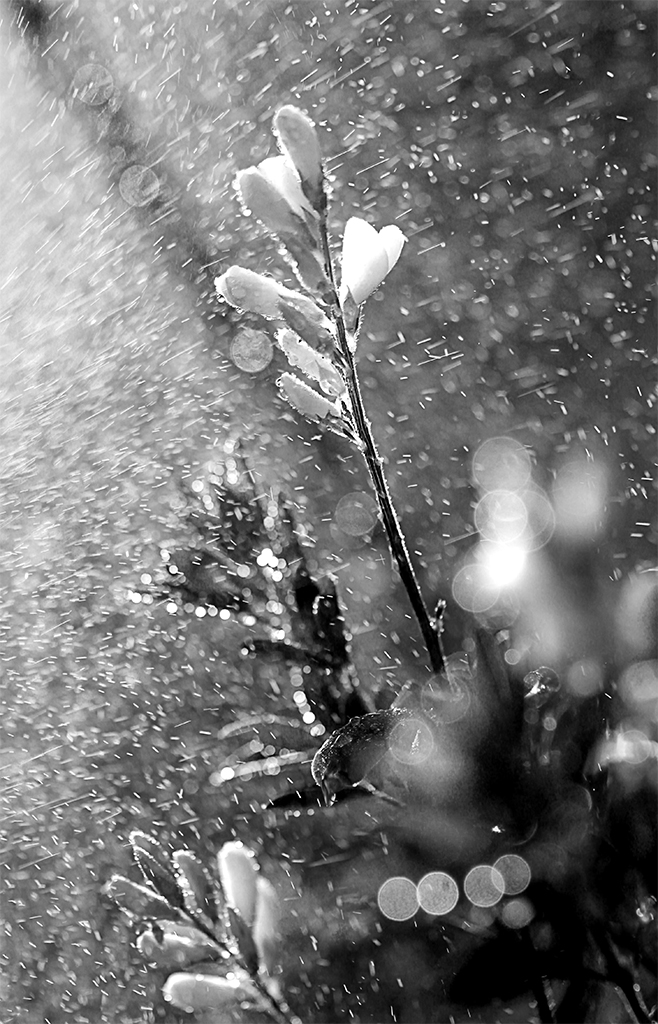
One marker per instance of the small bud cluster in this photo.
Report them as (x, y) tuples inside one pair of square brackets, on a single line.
[(226, 926), (287, 194)]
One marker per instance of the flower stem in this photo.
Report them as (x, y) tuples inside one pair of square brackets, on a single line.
[(375, 466)]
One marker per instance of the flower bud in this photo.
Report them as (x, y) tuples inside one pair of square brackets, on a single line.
[(299, 140), (203, 992), (281, 174), (310, 362), (261, 198), (249, 291), (256, 293), (305, 400), (368, 256), (238, 871)]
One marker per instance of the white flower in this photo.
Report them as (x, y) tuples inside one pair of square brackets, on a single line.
[(238, 872), (368, 256)]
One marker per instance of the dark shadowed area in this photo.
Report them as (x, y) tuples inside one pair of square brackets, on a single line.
[(514, 144)]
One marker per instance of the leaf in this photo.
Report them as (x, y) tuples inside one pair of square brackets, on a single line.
[(238, 871), (315, 365), (305, 400), (137, 900), (266, 933), (170, 945), (244, 940), (152, 861), (196, 885), (204, 992)]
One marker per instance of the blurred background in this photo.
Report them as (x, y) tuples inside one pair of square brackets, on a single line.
[(507, 365)]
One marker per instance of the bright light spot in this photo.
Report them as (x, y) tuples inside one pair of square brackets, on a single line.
[(517, 913), (484, 885), (515, 872), (398, 898), (411, 741), (448, 705), (501, 462), (630, 746), (472, 589), (224, 614), (438, 893), (226, 774), (639, 687), (501, 517), (308, 718), (503, 563), (264, 557), (585, 678)]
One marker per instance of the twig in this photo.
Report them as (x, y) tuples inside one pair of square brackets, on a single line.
[(544, 1010), (622, 977), (375, 466)]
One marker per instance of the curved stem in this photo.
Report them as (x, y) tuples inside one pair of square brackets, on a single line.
[(375, 466)]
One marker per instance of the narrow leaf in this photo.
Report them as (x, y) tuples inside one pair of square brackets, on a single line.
[(244, 940), (137, 900), (195, 884), (152, 861)]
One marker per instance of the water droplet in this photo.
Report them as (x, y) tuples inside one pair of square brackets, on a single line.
[(356, 514), (501, 516), (438, 893), (540, 686), (515, 872), (138, 185), (484, 885), (501, 462), (411, 741), (251, 350), (517, 913), (93, 84), (398, 898)]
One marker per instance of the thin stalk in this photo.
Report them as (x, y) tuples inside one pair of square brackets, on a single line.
[(375, 466), (277, 1010), (537, 982)]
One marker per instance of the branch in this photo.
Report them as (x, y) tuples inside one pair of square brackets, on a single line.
[(375, 466)]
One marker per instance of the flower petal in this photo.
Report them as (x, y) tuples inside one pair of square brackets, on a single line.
[(393, 240), (282, 175), (364, 261)]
